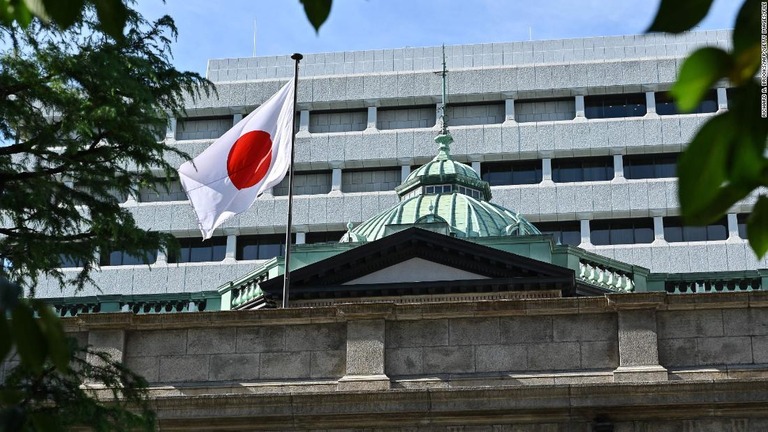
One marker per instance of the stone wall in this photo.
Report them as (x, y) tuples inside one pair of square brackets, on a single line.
[(664, 362)]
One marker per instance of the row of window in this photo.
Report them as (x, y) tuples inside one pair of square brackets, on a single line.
[(640, 230), (476, 113)]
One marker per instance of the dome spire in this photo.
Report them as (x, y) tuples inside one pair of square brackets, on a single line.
[(445, 139)]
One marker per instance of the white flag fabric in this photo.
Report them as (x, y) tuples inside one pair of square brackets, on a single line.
[(248, 159)]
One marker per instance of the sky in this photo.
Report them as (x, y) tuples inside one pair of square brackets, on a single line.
[(225, 28)]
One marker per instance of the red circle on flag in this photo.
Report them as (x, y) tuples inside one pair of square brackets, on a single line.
[(249, 159)]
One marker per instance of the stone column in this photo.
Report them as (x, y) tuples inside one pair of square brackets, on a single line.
[(476, 166), (579, 102), (301, 237), (722, 99), (509, 111), (586, 235), (658, 229), (303, 123), (365, 356), (405, 169), (230, 254), (170, 131), (638, 338), (372, 118), (733, 227), (546, 170), (335, 178), (650, 104), (618, 168)]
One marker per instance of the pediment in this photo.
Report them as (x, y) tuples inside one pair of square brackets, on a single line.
[(416, 262)]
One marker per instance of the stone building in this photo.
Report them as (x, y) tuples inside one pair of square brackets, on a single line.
[(527, 273)]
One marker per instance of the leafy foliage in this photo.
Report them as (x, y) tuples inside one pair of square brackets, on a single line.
[(113, 14), (726, 160), (57, 385), (317, 11), (80, 117)]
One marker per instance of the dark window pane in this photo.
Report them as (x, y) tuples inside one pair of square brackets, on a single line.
[(662, 165), (565, 232), (614, 106), (197, 250), (621, 231), (582, 169), (511, 172), (742, 224), (675, 231), (116, 258), (323, 237), (252, 247), (665, 104)]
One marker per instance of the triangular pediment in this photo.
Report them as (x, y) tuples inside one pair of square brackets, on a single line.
[(415, 270), (390, 267)]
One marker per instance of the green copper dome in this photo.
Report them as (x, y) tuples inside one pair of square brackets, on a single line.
[(446, 196)]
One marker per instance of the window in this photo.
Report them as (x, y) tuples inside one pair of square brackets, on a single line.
[(118, 258), (675, 231), (66, 261), (663, 165), (197, 250), (511, 173), (536, 110), (305, 183), (437, 189), (370, 179), (741, 220), (338, 120), (665, 104), (582, 169), (565, 232), (158, 191), (613, 106), (323, 237), (260, 247), (474, 193), (621, 231)]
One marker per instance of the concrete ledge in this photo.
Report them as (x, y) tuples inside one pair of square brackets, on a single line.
[(364, 383), (628, 374)]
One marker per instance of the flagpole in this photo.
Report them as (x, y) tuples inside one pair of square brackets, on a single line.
[(287, 275)]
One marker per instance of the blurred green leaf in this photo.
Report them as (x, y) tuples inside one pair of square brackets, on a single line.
[(317, 11), (9, 294), (62, 12), (46, 421), (30, 341), (58, 346), (699, 73), (6, 342), (677, 16), (112, 15), (757, 227), (702, 167), (746, 43)]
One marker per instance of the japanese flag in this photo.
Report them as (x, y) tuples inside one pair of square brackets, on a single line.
[(248, 159)]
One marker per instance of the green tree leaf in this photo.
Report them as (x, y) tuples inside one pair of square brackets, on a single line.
[(58, 347), (746, 43), (30, 341), (757, 227), (317, 11), (112, 15), (63, 12), (699, 73), (677, 16)]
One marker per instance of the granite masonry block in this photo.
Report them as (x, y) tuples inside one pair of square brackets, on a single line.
[(424, 333), (585, 327), (563, 138), (603, 354), (533, 329), (388, 86), (567, 200), (620, 200), (183, 368), (760, 349), (730, 350), (526, 76), (670, 130), (423, 144), (318, 210), (690, 124), (737, 257), (492, 140), (657, 195), (450, 359), (554, 356), (750, 322), (260, 339), (637, 337), (317, 337), (642, 255), (472, 331), (667, 71), (211, 341), (548, 200), (622, 253), (327, 364), (717, 259), (529, 202), (403, 361), (697, 254), (500, 358), (692, 323), (234, 367), (147, 367), (405, 84), (672, 193), (680, 257), (582, 139), (285, 365)]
